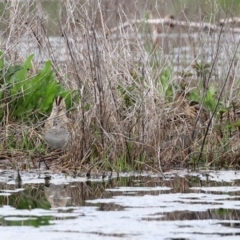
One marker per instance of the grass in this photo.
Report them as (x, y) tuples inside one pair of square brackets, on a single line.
[(134, 106)]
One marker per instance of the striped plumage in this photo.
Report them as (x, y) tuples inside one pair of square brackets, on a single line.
[(56, 132)]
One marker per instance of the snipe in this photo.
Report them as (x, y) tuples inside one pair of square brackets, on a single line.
[(56, 132)]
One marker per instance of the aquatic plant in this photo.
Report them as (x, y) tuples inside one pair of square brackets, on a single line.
[(28, 95)]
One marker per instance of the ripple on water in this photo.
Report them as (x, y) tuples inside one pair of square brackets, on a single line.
[(129, 206)]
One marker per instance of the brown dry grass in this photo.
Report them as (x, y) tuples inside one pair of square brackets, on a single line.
[(125, 119)]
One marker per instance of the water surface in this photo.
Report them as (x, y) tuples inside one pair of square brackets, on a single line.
[(179, 205)]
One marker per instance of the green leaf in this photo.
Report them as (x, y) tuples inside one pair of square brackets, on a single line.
[(28, 63)]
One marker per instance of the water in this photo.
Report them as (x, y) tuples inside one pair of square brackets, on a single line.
[(179, 205)]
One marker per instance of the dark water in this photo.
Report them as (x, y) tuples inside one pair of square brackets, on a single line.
[(179, 205)]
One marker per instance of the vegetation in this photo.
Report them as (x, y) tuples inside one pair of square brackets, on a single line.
[(133, 106), (27, 95)]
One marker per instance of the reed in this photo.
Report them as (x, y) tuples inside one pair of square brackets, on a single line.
[(140, 106)]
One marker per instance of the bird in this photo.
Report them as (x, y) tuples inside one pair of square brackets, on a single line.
[(156, 29), (56, 137), (56, 129)]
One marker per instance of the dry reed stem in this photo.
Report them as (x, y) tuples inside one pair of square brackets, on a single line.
[(124, 112)]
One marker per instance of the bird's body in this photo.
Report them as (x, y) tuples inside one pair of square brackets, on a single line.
[(56, 132), (56, 137)]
